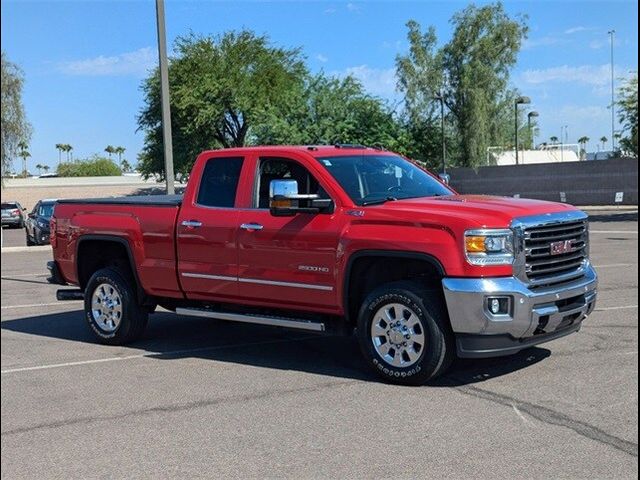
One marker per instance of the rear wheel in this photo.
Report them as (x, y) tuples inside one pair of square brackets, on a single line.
[(404, 333), (111, 308)]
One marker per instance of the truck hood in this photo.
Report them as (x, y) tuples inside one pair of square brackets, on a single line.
[(481, 210)]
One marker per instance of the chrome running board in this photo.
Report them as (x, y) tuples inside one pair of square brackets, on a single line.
[(296, 323)]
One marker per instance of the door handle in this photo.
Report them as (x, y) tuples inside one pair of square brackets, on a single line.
[(191, 223), (251, 226)]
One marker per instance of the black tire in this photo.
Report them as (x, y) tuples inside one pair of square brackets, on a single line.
[(430, 308), (29, 240), (133, 318)]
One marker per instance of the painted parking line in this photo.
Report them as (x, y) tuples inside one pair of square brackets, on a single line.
[(34, 305), (612, 265), (152, 355)]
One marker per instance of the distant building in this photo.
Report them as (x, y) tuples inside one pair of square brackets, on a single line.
[(543, 154)]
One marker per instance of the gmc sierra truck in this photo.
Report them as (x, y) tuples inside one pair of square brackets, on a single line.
[(332, 239)]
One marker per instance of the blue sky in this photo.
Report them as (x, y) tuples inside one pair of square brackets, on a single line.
[(84, 60)]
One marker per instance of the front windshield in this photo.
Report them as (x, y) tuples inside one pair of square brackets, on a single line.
[(45, 210), (374, 178)]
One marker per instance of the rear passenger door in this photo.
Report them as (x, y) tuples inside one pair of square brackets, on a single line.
[(207, 233)]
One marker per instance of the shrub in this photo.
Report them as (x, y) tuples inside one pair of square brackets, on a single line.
[(95, 166)]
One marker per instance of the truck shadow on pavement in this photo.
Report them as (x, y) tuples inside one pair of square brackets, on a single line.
[(170, 337)]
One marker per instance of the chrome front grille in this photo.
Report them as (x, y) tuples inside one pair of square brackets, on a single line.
[(555, 252)]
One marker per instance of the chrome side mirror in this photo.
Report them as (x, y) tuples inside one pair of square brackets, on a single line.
[(287, 189), (284, 200)]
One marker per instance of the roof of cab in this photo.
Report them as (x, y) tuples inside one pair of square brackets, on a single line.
[(314, 150)]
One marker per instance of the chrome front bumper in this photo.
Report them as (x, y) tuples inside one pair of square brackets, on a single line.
[(535, 316)]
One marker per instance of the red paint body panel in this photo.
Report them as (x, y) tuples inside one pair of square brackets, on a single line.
[(224, 263)]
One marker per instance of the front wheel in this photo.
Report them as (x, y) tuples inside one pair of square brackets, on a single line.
[(29, 240), (404, 333), (111, 308)]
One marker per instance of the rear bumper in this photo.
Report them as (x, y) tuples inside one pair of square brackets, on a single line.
[(11, 221), (534, 317)]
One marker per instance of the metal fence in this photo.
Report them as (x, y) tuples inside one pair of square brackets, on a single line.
[(605, 182)]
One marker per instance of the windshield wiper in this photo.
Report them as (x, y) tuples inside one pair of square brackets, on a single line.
[(379, 201)]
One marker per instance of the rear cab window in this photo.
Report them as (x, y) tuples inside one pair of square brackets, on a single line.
[(219, 182)]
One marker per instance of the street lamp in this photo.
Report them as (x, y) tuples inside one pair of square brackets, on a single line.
[(438, 96), (519, 101), (613, 101), (531, 115)]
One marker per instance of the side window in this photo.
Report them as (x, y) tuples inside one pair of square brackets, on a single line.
[(220, 182), (271, 168)]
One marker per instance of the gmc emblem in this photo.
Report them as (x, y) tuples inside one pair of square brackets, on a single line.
[(564, 246)]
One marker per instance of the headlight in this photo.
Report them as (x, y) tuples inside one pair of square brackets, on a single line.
[(489, 247), (42, 224)]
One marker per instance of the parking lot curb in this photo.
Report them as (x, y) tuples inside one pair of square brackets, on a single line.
[(42, 248)]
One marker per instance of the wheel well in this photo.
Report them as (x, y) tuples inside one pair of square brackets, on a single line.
[(93, 255), (370, 271)]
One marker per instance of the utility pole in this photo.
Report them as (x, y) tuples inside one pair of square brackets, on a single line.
[(439, 96), (164, 88), (613, 101)]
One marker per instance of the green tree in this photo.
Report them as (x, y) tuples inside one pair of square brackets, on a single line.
[(61, 148), (119, 151), (582, 141), (125, 166), (553, 139), (471, 72), (110, 150), (628, 114), (46, 168), (95, 166), (604, 141), (23, 153), (14, 125), (221, 88), (39, 168), (332, 110)]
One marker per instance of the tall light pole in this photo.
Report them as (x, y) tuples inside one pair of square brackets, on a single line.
[(563, 134), (531, 115), (519, 101), (164, 89), (613, 101), (440, 98)]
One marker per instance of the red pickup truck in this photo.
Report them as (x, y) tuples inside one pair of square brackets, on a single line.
[(332, 239)]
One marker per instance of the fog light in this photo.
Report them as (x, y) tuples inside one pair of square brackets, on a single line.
[(498, 305), (495, 306)]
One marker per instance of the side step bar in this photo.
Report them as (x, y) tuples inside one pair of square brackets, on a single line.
[(69, 294), (299, 324)]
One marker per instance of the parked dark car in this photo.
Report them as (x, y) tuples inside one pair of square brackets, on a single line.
[(37, 223), (13, 214)]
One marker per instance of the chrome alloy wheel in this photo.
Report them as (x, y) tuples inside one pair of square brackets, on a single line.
[(106, 307), (397, 335)]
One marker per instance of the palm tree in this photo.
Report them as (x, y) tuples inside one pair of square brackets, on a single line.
[(582, 141), (604, 140), (553, 139), (61, 148), (39, 168), (45, 168), (69, 152), (119, 151), (110, 150), (24, 154)]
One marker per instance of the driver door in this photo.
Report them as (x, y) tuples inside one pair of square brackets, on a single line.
[(290, 259)]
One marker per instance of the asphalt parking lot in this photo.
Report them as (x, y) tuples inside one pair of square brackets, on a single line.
[(202, 398)]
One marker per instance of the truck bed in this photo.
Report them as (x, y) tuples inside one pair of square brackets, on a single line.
[(141, 200)]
